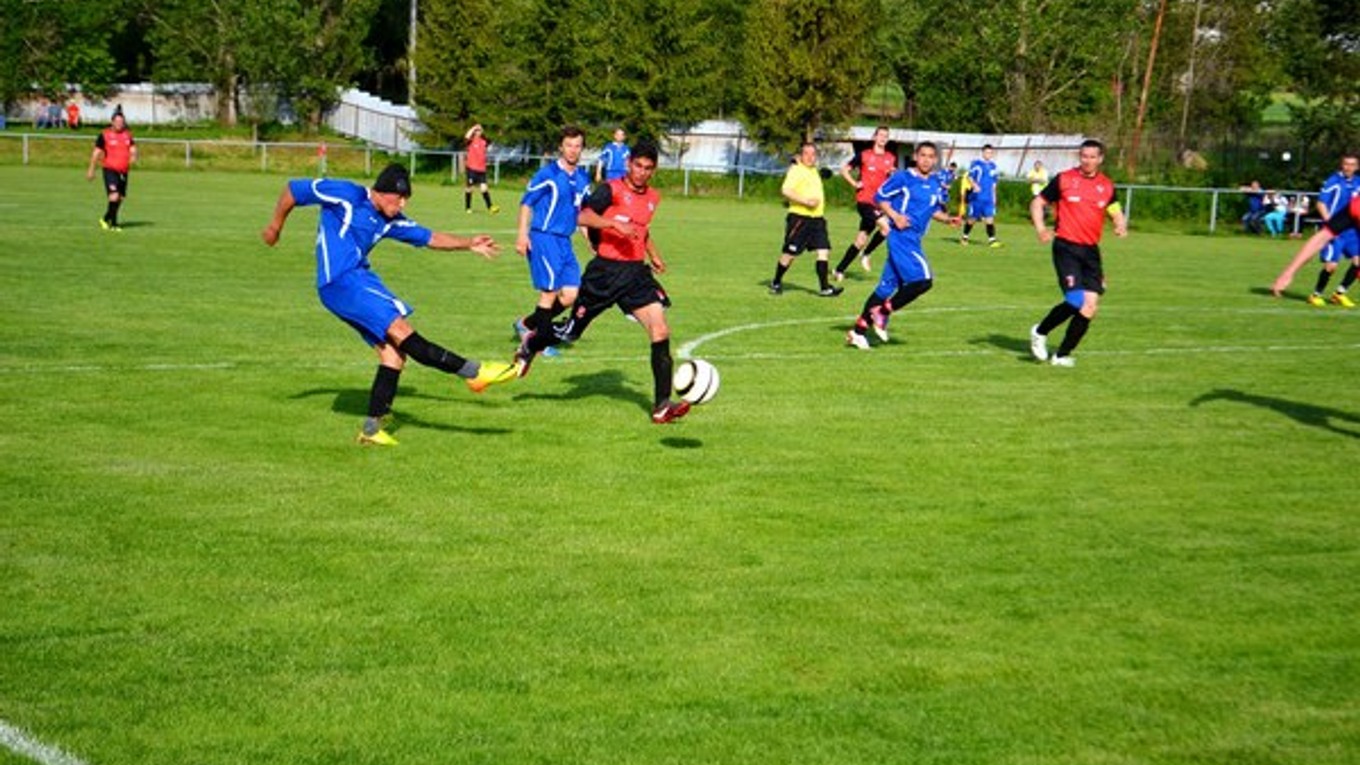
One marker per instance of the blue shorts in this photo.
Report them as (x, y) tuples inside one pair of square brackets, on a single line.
[(906, 264), (1344, 245), (552, 264), (979, 207), (361, 300)]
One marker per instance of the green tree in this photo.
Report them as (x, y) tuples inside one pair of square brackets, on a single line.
[(807, 66), (323, 54), (194, 40), (457, 63), (1320, 43), (51, 45)]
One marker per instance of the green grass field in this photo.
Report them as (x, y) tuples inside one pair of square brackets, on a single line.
[(935, 552)]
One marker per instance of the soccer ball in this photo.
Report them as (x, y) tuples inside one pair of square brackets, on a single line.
[(696, 381)]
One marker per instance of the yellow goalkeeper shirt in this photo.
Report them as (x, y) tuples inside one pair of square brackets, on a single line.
[(805, 183)]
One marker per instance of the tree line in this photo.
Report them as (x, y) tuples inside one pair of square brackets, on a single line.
[(1183, 71)]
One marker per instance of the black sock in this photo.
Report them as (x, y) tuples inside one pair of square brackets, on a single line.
[(866, 315), (1060, 313), (779, 270), (108, 214), (1348, 279), (383, 392), (967, 229), (1076, 330), (432, 355), (486, 197), (662, 369), (910, 292), (991, 231), (467, 200), (850, 253), (823, 269), (1323, 277), (111, 215), (874, 242)]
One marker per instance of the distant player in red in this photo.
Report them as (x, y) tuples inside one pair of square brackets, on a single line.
[(1084, 196), (1346, 219), (618, 214), (116, 150), (476, 169), (874, 165)]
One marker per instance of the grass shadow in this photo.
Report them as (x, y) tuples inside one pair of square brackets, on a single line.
[(1266, 292), (354, 402), (608, 383), (1017, 345), (1312, 415), (672, 442)]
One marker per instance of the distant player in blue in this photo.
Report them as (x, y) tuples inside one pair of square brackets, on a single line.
[(613, 162), (353, 220), (910, 199), (981, 195), (1336, 193), (547, 221)]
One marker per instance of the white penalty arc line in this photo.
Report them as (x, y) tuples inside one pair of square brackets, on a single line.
[(21, 743)]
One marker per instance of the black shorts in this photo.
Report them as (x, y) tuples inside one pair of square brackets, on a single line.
[(115, 181), (1078, 266), (476, 177), (802, 233), (868, 216), (628, 284)]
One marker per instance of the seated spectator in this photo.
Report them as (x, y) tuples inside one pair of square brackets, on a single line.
[(40, 114), (1276, 207), (1256, 208)]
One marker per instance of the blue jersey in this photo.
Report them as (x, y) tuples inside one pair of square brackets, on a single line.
[(555, 197), (349, 226), (983, 174), (916, 196), (946, 177), (614, 160), (1337, 191)]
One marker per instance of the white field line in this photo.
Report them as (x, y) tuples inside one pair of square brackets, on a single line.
[(688, 349), (24, 745)]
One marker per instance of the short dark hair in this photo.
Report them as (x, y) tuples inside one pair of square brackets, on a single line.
[(987, 146), (645, 149), (1091, 143), (570, 131), (924, 144)]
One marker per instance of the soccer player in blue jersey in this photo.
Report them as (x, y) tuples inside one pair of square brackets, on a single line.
[(613, 162), (353, 220), (547, 221), (1335, 195), (910, 199), (981, 194)]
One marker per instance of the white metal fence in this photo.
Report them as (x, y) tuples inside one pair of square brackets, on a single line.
[(1216, 207)]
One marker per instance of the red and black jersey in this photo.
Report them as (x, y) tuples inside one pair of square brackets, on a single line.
[(1081, 204), (874, 169), (117, 148), (476, 153), (1347, 218), (617, 200)]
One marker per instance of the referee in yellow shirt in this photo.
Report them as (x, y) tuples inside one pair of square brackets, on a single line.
[(805, 225)]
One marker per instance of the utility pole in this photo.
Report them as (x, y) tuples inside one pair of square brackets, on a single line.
[(411, 58), (1190, 77), (1142, 100)]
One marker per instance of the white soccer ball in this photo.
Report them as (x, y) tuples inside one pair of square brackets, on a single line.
[(696, 381)]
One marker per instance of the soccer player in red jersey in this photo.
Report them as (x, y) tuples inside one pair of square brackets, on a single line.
[(476, 169), (1347, 219), (874, 164), (1084, 196), (116, 150), (618, 214)]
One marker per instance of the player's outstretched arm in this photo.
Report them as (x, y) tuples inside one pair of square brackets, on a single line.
[(482, 244), (1309, 249), (282, 208)]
